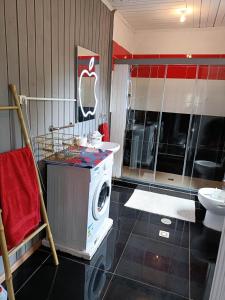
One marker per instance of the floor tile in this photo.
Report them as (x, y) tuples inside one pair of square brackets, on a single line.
[(110, 250), (149, 225), (28, 267), (204, 244), (201, 275), (70, 280), (122, 288), (123, 217), (153, 262), (121, 194)]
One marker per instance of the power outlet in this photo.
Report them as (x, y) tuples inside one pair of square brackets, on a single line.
[(164, 234)]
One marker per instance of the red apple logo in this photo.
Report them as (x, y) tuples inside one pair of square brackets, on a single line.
[(90, 74)]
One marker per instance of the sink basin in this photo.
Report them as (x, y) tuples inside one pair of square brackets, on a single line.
[(114, 147)]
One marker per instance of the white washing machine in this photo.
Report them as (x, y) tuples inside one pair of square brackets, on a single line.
[(78, 201)]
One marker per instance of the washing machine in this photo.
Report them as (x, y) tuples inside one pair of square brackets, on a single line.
[(78, 200)]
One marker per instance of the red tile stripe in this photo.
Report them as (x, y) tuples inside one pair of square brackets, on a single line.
[(173, 71), (179, 72)]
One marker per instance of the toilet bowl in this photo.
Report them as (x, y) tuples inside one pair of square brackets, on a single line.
[(214, 202), (209, 169)]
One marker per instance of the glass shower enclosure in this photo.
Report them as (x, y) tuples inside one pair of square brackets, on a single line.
[(175, 125)]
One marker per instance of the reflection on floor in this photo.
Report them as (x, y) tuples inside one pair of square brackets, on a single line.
[(169, 178), (133, 262)]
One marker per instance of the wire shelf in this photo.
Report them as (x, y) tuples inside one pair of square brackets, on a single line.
[(50, 143)]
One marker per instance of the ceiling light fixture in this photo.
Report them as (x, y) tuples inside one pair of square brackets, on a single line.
[(183, 18), (184, 12)]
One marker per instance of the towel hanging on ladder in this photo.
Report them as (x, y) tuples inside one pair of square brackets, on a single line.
[(19, 195)]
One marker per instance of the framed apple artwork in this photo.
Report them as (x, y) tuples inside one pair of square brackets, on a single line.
[(87, 84)]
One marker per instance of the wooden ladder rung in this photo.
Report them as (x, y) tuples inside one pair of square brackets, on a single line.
[(33, 234), (8, 107)]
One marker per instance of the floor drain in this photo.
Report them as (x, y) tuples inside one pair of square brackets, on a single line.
[(164, 234), (166, 221)]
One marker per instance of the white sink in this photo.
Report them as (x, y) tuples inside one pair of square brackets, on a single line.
[(114, 147)]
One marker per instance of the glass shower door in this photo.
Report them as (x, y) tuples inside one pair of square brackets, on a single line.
[(176, 115), (206, 157), (143, 122)]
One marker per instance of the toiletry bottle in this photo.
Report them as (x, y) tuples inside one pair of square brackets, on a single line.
[(3, 293)]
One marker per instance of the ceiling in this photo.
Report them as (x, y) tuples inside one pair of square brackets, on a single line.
[(162, 14)]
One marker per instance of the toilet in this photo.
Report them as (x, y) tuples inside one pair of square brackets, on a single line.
[(214, 201)]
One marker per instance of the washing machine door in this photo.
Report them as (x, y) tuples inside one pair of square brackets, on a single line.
[(101, 197)]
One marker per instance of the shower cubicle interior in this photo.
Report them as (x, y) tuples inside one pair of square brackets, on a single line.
[(175, 125)]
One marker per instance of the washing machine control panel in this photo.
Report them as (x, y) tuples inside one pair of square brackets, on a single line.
[(105, 167)]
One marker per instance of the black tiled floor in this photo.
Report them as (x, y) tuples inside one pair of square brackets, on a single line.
[(70, 280), (204, 244), (133, 262), (111, 249), (149, 225), (152, 262), (27, 269), (123, 217), (121, 194), (122, 288)]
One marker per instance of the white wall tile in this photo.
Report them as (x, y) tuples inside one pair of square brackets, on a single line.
[(186, 96)]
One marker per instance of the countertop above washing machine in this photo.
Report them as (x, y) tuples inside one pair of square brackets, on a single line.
[(82, 158)]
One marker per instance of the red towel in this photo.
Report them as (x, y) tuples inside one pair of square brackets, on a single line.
[(19, 195), (104, 130)]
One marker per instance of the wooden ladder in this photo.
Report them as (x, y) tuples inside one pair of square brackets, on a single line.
[(3, 245)]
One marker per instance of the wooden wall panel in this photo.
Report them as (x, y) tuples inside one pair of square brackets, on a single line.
[(47, 61), (23, 67), (81, 41), (78, 22), (13, 63), (32, 74), (4, 116), (39, 24), (23, 57), (55, 57), (94, 27), (66, 106), (38, 39), (61, 46)]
